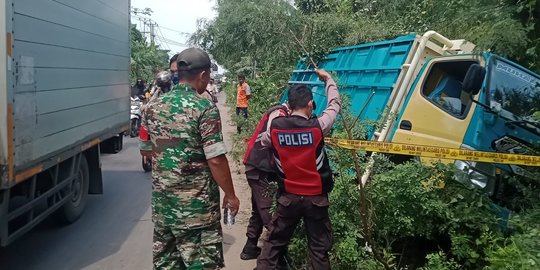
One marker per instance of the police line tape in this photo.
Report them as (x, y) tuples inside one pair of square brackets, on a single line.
[(435, 152)]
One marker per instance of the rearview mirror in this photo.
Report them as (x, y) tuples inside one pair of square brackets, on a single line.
[(474, 79)]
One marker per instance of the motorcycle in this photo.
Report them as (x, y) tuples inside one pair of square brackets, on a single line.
[(135, 123)]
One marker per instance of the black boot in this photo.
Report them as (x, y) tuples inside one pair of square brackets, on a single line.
[(251, 250)]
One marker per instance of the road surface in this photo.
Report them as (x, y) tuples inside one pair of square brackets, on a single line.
[(115, 231)]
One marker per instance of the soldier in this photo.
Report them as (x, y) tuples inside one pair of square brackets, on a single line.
[(189, 163)]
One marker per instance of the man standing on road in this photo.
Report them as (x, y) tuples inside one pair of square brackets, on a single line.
[(144, 144), (189, 163), (243, 94), (304, 175)]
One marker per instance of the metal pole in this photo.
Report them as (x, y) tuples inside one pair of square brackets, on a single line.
[(152, 33)]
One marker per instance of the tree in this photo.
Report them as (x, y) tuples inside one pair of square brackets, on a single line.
[(312, 6), (146, 60)]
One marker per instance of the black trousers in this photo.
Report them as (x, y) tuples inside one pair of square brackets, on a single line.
[(292, 208), (261, 202), (244, 113)]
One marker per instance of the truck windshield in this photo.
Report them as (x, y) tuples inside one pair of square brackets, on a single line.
[(515, 90)]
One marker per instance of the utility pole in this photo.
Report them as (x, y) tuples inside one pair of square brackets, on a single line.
[(152, 32), (146, 22)]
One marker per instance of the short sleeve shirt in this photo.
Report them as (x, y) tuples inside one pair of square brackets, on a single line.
[(185, 131), (241, 96)]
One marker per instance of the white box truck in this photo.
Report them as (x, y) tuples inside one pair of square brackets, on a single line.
[(64, 100)]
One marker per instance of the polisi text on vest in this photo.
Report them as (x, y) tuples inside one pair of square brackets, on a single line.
[(295, 138)]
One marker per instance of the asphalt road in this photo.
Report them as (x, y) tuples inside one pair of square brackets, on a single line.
[(115, 231)]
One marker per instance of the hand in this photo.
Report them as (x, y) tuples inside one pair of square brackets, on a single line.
[(323, 75), (232, 202)]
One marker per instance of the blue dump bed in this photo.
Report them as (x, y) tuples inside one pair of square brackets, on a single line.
[(367, 73)]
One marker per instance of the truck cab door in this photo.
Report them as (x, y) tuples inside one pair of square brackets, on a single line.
[(437, 111)]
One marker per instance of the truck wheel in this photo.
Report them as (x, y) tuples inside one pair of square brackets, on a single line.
[(73, 208)]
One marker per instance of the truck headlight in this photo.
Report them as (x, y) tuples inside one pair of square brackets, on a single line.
[(476, 174)]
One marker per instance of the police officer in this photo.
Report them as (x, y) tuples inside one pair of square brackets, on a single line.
[(189, 164), (304, 175)]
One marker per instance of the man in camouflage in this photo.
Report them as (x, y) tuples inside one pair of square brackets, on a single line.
[(189, 163)]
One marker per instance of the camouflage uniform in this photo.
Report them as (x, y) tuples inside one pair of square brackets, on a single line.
[(185, 131)]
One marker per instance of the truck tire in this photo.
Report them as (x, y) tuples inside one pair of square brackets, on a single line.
[(113, 145), (73, 208)]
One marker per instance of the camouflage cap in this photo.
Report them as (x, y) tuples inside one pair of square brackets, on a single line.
[(193, 58)]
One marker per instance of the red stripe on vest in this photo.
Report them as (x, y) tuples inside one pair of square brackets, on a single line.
[(253, 138)]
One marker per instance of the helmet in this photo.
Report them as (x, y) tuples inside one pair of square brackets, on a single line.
[(163, 81), (163, 77)]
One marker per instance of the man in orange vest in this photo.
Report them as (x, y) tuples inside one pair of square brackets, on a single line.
[(243, 94)]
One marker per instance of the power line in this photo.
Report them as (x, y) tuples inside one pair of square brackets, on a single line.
[(176, 31), (163, 37), (164, 27), (145, 21)]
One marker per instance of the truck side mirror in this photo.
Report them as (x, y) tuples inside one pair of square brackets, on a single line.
[(474, 79)]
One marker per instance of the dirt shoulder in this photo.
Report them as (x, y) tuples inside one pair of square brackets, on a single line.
[(234, 237)]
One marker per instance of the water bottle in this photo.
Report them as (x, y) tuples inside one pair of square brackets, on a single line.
[(228, 217)]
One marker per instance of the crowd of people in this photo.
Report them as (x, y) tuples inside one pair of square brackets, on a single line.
[(183, 136)]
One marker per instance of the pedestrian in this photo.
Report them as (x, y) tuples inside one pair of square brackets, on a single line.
[(141, 87), (189, 164), (211, 89), (243, 94), (261, 175), (163, 85), (157, 91), (304, 175), (173, 68)]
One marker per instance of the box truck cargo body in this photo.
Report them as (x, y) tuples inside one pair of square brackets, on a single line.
[(64, 94)]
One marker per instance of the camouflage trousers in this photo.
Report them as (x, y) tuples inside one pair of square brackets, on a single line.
[(189, 249)]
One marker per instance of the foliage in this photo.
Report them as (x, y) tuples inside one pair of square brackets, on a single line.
[(521, 250), (418, 204), (438, 261), (267, 30), (146, 60), (268, 33)]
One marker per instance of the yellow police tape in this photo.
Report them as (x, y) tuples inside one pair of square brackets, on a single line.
[(435, 152)]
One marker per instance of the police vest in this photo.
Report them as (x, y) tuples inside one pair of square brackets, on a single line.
[(298, 148), (256, 155)]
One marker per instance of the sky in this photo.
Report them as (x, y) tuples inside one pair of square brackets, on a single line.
[(175, 18)]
